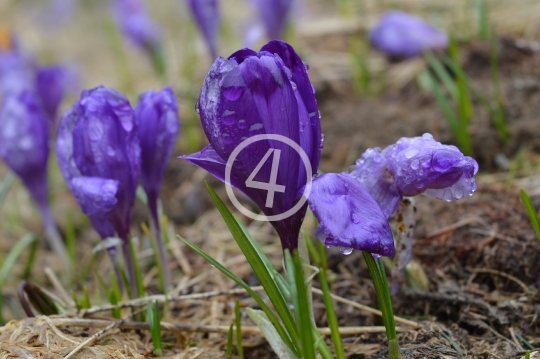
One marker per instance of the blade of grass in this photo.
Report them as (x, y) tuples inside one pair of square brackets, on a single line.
[(30, 261), (153, 318), (442, 74), (230, 340), (378, 277), (238, 325), (257, 264), (13, 255), (5, 185), (265, 308), (329, 306), (304, 317), (531, 211)]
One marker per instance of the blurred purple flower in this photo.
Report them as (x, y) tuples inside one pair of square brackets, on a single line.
[(157, 118), (402, 35), (97, 138), (17, 72), (136, 25), (24, 146), (274, 15), (269, 93), (52, 83), (206, 14), (413, 166)]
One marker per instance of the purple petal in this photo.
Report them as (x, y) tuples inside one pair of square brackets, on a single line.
[(96, 195), (157, 117), (372, 172), (274, 15), (136, 25), (349, 216), (206, 14), (24, 141), (404, 35), (52, 83)]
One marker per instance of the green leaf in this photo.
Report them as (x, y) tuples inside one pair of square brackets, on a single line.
[(329, 306), (531, 211), (271, 316), (304, 317), (230, 340), (238, 325), (258, 266), (269, 331), (13, 255), (442, 74), (4, 186), (154, 322), (378, 277)]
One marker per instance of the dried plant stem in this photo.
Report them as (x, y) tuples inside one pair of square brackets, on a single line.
[(165, 326)]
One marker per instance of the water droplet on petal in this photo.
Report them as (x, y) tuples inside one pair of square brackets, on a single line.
[(256, 126), (355, 218), (321, 146), (242, 124), (228, 117), (110, 151), (346, 251), (95, 129), (411, 152), (415, 164), (233, 93), (227, 140)]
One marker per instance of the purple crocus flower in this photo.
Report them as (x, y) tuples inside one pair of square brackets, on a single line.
[(24, 146), (274, 15), (52, 82), (17, 72), (402, 35), (98, 153), (157, 118), (206, 14), (413, 166), (269, 93), (136, 25)]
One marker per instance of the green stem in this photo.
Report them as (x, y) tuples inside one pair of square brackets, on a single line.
[(378, 276)]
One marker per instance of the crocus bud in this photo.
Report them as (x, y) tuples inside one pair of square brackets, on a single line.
[(97, 138), (413, 166), (17, 73), (269, 93), (402, 35), (52, 82), (157, 117), (275, 16), (206, 15), (24, 141), (24, 146)]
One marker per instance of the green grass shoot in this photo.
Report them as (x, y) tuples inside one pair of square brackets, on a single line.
[(238, 325), (230, 340), (5, 185), (154, 322), (531, 212)]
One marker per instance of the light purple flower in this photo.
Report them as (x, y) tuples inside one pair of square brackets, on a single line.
[(274, 15), (24, 146), (413, 166), (206, 14), (136, 25), (402, 35), (157, 118), (97, 138), (51, 84), (269, 93), (17, 72)]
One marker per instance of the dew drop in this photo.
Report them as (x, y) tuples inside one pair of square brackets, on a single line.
[(226, 138), (346, 251), (228, 117), (294, 87), (355, 218), (411, 152), (321, 146), (415, 164), (95, 129), (233, 93), (242, 124), (256, 126), (110, 151)]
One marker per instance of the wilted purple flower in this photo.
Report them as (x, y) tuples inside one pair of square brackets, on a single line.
[(274, 15), (269, 93), (24, 146), (52, 83), (157, 118), (403, 35), (348, 216), (97, 137), (136, 25), (413, 166), (206, 14)]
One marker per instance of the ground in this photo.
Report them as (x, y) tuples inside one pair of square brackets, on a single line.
[(480, 254)]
